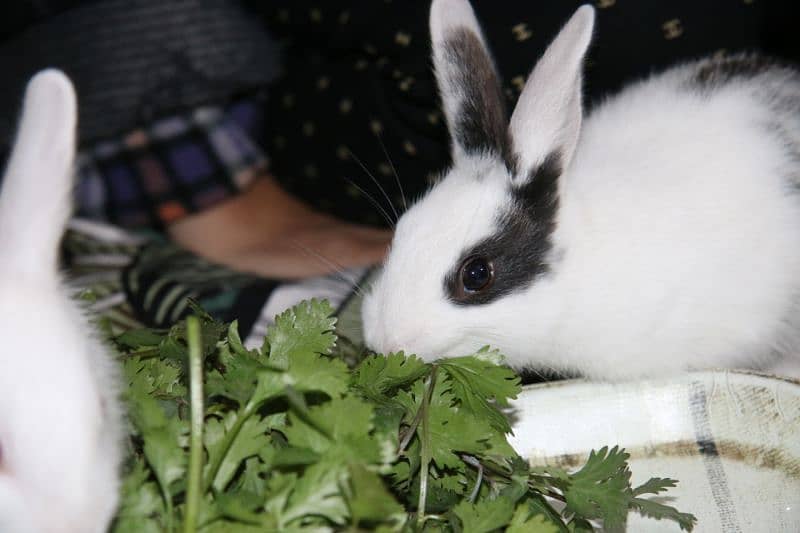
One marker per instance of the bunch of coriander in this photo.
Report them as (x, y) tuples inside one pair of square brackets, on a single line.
[(287, 438)]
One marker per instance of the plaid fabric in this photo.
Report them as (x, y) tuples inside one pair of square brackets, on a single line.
[(153, 176), (140, 279)]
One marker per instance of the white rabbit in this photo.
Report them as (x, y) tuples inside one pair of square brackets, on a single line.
[(60, 441), (662, 234)]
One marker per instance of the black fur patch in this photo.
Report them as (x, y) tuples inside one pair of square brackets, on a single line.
[(531, 375), (717, 72), (519, 250), (481, 123)]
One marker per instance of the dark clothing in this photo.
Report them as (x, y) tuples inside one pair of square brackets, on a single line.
[(357, 72), (356, 75), (134, 61)]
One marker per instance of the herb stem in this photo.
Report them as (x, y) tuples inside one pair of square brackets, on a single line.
[(425, 440), (474, 462), (409, 434), (194, 489), (230, 436), (298, 403)]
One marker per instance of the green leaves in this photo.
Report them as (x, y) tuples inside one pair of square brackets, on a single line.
[(526, 521), (659, 511), (452, 430), (141, 505), (656, 510), (378, 376), (485, 516), (337, 431), (480, 384), (601, 489), (317, 493), (368, 500), (306, 328), (251, 438), (286, 438), (162, 435)]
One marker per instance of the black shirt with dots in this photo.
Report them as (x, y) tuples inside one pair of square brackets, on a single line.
[(357, 94)]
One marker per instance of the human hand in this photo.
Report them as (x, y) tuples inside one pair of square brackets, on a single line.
[(268, 232)]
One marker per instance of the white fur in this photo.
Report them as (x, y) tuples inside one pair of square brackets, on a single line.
[(548, 111), (59, 414), (677, 242)]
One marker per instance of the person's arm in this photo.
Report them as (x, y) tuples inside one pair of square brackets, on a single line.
[(268, 232)]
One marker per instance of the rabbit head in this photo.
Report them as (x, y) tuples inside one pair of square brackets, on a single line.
[(478, 247)]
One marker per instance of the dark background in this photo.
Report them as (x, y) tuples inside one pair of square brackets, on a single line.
[(353, 77)]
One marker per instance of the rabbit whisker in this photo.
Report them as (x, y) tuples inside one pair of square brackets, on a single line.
[(373, 201), (394, 172), (338, 268), (376, 182)]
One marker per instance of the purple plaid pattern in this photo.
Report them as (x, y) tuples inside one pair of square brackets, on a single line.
[(179, 165)]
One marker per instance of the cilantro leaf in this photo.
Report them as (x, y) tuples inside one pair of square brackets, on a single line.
[(305, 329), (377, 376), (659, 511), (279, 487), (235, 342), (654, 485), (138, 338), (237, 384), (249, 440), (452, 428), (484, 516), (253, 478), (141, 504), (318, 493), (339, 430), (525, 521), (386, 421), (368, 500), (601, 489), (163, 436), (540, 506), (479, 383), (310, 372)]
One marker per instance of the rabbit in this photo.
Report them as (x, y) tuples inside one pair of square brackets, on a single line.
[(660, 235), (60, 420)]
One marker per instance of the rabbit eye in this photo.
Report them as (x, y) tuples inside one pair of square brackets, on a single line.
[(477, 274)]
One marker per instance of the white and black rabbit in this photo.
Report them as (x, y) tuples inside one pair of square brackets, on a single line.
[(660, 234), (60, 441)]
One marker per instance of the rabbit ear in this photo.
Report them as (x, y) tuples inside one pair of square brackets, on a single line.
[(470, 88), (35, 200), (547, 120)]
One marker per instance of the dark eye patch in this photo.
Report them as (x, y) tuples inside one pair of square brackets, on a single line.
[(518, 251)]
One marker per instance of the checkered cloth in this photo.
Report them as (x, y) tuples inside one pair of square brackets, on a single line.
[(179, 165), (141, 279)]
